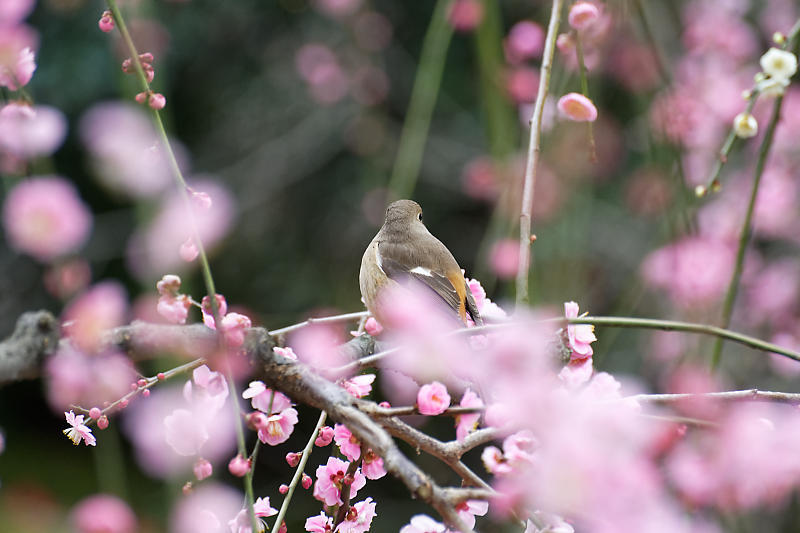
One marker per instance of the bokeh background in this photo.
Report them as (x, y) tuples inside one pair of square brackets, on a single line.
[(294, 114)]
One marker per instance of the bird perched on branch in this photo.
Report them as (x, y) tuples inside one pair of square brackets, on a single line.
[(404, 252)]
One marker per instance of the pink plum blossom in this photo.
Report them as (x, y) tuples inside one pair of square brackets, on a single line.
[(349, 445), (522, 84), (577, 107), (504, 258), (261, 397), (372, 465), (432, 399), (279, 427), (582, 15), (465, 424), (319, 524), (234, 328), (325, 436), (468, 510), (174, 309), (208, 312), (359, 517), (373, 327), (580, 336), (46, 218), (202, 469), (66, 278), (189, 250), (28, 131), (103, 513), (77, 431), (241, 522), (494, 461), (239, 466), (331, 480), (17, 59), (87, 317), (423, 524), (359, 386), (206, 390)]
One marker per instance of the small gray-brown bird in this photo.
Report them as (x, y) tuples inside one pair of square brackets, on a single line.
[(403, 252)]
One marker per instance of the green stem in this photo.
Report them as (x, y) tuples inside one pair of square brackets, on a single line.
[(533, 157), (722, 158), (690, 327), (298, 474), (746, 230), (423, 99), (585, 92)]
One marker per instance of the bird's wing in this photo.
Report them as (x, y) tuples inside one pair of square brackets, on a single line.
[(451, 287)]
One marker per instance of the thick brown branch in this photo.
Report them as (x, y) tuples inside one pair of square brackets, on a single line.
[(35, 337)]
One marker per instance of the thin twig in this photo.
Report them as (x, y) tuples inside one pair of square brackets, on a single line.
[(533, 157), (321, 320)]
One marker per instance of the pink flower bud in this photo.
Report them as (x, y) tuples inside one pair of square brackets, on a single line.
[(239, 466), (306, 481), (293, 458), (106, 22), (141, 97), (202, 469), (146, 57), (123, 404), (134, 386), (102, 422), (189, 251), (127, 65), (325, 436), (432, 399), (577, 107), (157, 101), (284, 488), (256, 420), (149, 73), (582, 15), (95, 413), (384, 404), (141, 382), (161, 376), (146, 393), (373, 327)]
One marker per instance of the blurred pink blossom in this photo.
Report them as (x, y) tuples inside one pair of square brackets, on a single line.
[(14, 11), (202, 469), (481, 179), (773, 294), (694, 271), (369, 86), (349, 445), (466, 424), (103, 513), (207, 389), (45, 217), (525, 41), (433, 399), (239, 466), (145, 426), (781, 364), (241, 522), (183, 434), (64, 279), (127, 154), (465, 15), (234, 327), (74, 378), (31, 131), (90, 315), (582, 15), (17, 58), (338, 8), (320, 68), (373, 31), (580, 336), (329, 483), (174, 309), (317, 345), (373, 327), (155, 248), (634, 65), (522, 84), (504, 258), (423, 524), (208, 509)]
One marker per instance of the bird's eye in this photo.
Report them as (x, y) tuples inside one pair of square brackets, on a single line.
[(419, 216)]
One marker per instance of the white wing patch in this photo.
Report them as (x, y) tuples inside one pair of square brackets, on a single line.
[(421, 270), (378, 260)]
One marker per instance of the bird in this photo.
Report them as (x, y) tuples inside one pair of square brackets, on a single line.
[(404, 252)]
